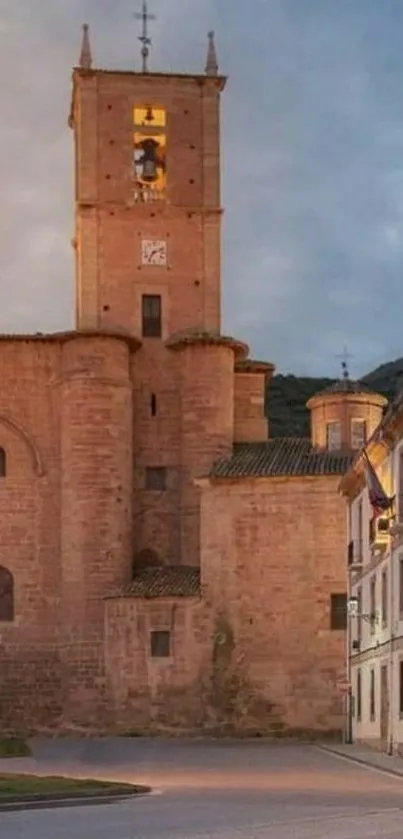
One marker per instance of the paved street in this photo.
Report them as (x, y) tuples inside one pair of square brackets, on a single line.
[(209, 790)]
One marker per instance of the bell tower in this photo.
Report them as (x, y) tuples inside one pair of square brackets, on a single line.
[(147, 196)]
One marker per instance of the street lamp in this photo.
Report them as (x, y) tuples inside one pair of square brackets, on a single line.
[(353, 605)]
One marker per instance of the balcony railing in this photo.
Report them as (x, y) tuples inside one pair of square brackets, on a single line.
[(379, 530), (147, 195)]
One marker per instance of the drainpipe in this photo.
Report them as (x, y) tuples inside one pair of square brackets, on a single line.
[(392, 616), (349, 709), (348, 733)]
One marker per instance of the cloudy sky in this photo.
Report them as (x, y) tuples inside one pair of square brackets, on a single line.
[(312, 164)]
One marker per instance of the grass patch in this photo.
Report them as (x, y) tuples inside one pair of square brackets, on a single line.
[(14, 747), (13, 786)]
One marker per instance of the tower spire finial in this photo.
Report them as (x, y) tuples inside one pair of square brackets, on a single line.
[(85, 55), (211, 63), (144, 38), (344, 357)]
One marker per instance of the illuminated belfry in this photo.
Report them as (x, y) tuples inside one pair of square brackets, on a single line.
[(149, 155)]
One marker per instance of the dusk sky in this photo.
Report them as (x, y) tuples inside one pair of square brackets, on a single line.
[(312, 153)]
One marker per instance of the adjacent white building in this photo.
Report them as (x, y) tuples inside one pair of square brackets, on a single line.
[(374, 712)]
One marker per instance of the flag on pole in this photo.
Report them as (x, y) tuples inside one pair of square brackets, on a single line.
[(379, 500)]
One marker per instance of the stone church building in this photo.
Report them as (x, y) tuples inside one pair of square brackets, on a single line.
[(165, 564)]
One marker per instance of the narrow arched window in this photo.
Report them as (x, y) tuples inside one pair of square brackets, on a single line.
[(3, 463), (6, 595)]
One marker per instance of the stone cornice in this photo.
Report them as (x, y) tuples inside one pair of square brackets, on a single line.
[(336, 397), (201, 79), (184, 339), (65, 337), (251, 365)]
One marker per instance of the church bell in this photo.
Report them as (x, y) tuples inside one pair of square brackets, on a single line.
[(149, 172)]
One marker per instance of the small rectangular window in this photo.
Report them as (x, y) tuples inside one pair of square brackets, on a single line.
[(338, 611), (359, 696), (358, 433), (400, 485), (149, 116), (372, 695), (160, 643), (156, 478), (359, 527), (151, 316), (333, 436), (401, 588), (358, 543), (3, 463), (384, 600), (372, 603), (359, 613), (6, 594), (153, 405), (401, 687)]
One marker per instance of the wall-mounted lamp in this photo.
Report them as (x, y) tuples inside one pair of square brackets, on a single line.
[(353, 604)]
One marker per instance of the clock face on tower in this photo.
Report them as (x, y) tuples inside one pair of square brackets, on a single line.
[(153, 252)]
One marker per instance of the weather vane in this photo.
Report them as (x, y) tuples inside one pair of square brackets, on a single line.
[(144, 38), (344, 356)]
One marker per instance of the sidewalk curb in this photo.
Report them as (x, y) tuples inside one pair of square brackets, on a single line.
[(362, 762), (37, 802)]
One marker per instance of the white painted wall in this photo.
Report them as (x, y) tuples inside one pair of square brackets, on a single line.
[(373, 645)]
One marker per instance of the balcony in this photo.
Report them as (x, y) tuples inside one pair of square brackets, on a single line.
[(379, 532)]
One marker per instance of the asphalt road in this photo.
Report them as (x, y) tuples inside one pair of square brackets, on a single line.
[(210, 790)]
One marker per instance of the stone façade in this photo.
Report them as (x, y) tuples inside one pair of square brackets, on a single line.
[(237, 555)]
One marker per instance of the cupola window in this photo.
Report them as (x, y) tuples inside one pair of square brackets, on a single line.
[(333, 436), (358, 433)]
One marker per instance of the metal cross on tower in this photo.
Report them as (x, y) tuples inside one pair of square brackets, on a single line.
[(344, 357), (144, 38)]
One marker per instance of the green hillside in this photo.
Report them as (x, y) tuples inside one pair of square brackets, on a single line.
[(287, 397)]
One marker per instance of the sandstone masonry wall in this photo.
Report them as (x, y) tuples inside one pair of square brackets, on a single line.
[(30, 668), (272, 554), (110, 225), (65, 520), (158, 693), (156, 435), (96, 506), (207, 430), (250, 423)]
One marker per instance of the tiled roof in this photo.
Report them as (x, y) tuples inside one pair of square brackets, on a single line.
[(164, 581), (345, 386), (281, 456)]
